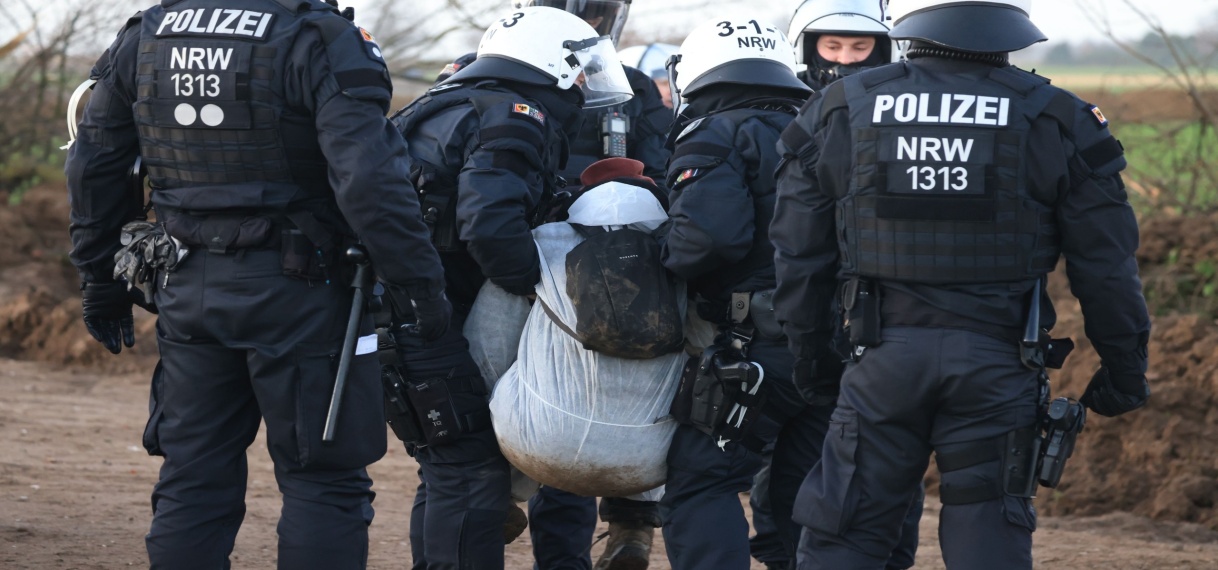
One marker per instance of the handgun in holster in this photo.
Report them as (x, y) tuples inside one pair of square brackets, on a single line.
[(719, 394), (1063, 421), (861, 308)]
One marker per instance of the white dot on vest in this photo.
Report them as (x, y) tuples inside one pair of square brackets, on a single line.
[(184, 114), (212, 115)]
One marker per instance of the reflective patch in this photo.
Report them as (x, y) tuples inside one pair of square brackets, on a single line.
[(367, 36), (691, 128), (687, 174), (530, 112), (1099, 116)]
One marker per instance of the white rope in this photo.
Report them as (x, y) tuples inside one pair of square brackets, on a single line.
[(73, 103)]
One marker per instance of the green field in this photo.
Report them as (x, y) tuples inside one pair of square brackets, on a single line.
[(1114, 79)]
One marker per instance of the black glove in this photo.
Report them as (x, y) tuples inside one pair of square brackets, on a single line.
[(817, 372), (432, 316), (1115, 394), (107, 311)]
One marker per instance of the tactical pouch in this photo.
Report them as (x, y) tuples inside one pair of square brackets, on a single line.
[(861, 304), (399, 412), (438, 201), (433, 406), (301, 259), (761, 311), (441, 418), (220, 233)]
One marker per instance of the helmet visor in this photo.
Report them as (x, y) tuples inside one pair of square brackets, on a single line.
[(607, 17), (605, 82)]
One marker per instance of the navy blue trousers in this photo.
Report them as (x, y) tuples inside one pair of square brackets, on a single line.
[(241, 344), (921, 390)]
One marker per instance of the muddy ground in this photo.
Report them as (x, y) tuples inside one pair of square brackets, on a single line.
[(74, 486)]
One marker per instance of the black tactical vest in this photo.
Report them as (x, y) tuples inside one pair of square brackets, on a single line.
[(211, 110), (939, 189), (435, 179)]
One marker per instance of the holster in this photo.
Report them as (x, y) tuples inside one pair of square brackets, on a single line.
[(1063, 421), (399, 412), (861, 312), (719, 394)]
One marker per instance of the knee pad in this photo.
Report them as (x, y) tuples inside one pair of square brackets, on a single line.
[(987, 469)]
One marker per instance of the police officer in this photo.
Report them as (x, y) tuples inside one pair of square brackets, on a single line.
[(650, 59), (262, 127), (488, 144), (944, 189), (833, 39), (736, 79), (562, 523), (837, 38)]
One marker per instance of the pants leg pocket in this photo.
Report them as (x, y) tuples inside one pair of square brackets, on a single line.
[(1020, 512), (827, 499), (151, 439), (359, 436)]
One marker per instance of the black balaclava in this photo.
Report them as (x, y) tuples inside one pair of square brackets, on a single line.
[(827, 72)]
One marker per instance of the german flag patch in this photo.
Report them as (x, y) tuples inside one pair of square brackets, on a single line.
[(687, 175), (1099, 116), (529, 112)]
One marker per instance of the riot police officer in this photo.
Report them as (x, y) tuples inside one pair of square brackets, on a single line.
[(736, 79), (262, 127), (488, 144), (833, 39), (837, 38), (561, 523), (944, 189)]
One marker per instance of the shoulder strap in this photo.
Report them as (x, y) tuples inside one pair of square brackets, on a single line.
[(833, 98), (557, 321)]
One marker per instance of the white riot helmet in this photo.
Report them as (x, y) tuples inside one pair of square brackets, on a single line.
[(545, 46), (735, 51), (994, 26), (850, 18), (608, 17)]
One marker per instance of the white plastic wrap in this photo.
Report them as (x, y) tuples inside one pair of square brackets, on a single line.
[(578, 420)]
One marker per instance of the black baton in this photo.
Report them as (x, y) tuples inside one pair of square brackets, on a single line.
[(359, 256)]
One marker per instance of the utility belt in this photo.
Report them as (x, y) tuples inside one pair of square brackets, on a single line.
[(423, 412), (721, 392), (309, 249)]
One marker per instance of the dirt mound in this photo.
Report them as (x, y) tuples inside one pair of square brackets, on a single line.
[(40, 315)]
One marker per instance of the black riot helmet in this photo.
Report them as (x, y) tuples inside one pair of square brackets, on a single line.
[(608, 17), (994, 26)]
